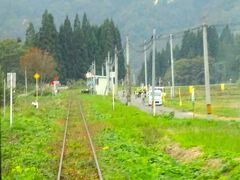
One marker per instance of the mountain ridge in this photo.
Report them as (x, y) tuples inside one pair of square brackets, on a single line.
[(136, 18)]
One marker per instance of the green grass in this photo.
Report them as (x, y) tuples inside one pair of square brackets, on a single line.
[(27, 149), (130, 144), (224, 103), (133, 143)]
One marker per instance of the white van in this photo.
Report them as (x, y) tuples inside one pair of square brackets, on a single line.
[(157, 96)]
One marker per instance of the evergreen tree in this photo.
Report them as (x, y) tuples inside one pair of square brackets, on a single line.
[(226, 55), (176, 52), (236, 63), (226, 36), (199, 43), (121, 60), (47, 36), (66, 50), (30, 36), (80, 50), (213, 42), (109, 37), (188, 49), (90, 40), (76, 48)]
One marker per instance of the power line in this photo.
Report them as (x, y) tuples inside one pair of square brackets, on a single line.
[(142, 50), (179, 34), (147, 42)]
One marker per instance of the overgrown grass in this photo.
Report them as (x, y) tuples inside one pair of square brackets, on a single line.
[(134, 144), (27, 148), (224, 103), (130, 144)]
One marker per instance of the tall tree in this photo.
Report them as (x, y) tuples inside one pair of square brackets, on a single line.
[(47, 35), (30, 36), (80, 50), (66, 50), (213, 41), (226, 55), (76, 48), (90, 39), (188, 48), (10, 53), (109, 38)]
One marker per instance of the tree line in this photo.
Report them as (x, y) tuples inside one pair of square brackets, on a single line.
[(66, 52), (224, 58), (76, 46)]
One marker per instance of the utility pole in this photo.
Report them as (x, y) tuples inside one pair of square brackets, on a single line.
[(153, 72), (128, 73), (145, 63), (106, 69), (26, 84), (107, 72), (172, 68), (4, 97), (94, 71), (94, 67), (206, 70), (116, 71), (113, 89), (11, 99), (102, 70)]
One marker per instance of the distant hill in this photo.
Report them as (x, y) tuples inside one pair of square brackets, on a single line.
[(134, 17)]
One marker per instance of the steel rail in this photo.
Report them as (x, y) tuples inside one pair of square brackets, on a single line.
[(92, 146), (63, 144)]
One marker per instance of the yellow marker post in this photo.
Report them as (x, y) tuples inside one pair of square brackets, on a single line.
[(163, 97), (190, 89), (222, 87), (180, 97), (193, 101), (36, 76)]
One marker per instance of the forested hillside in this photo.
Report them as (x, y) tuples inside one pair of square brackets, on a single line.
[(137, 18), (133, 18), (65, 52)]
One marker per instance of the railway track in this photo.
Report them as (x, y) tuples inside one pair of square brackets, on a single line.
[(78, 158)]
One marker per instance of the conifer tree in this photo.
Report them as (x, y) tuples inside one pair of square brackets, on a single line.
[(80, 50), (66, 50), (47, 36), (30, 36)]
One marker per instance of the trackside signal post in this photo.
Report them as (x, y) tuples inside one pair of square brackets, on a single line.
[(4, 97), (172, 67), (116, 71), (153, 72), (36, 77), (145, 64), (206, 70), (128, 73), (11, 83)]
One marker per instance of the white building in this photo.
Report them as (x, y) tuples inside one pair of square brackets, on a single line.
[(99, 84)]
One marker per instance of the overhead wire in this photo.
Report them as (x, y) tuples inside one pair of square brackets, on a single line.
[(140, 50), (175, 35)]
